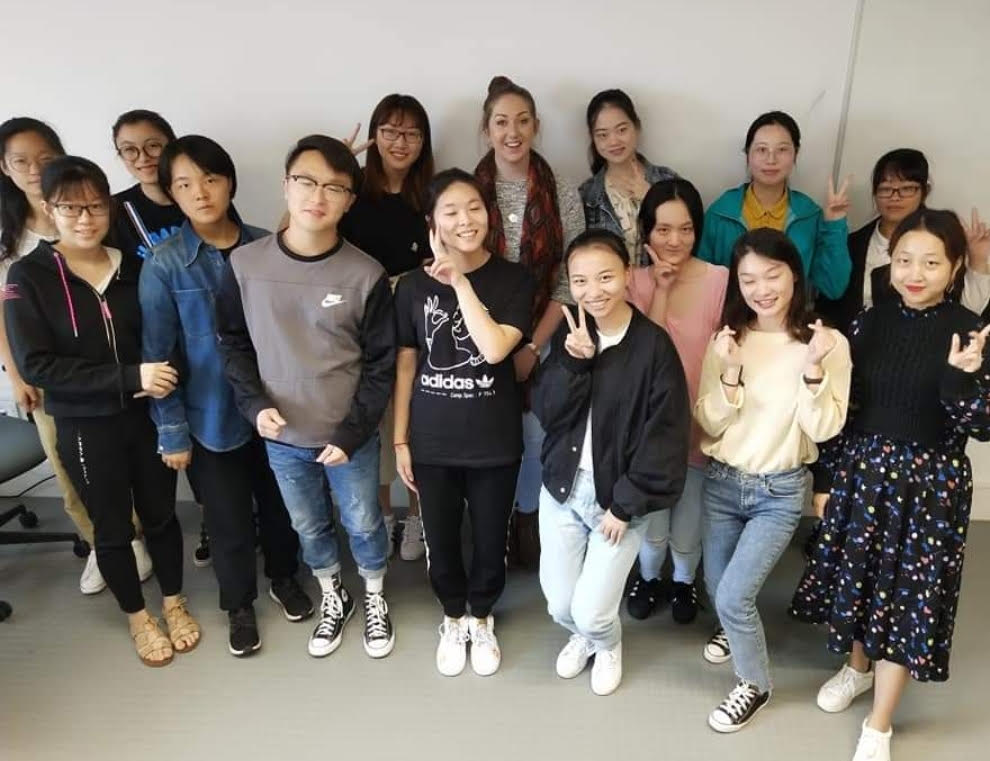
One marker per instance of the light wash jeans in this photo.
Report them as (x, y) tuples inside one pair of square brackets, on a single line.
[(306, 485), (582, 575), (748, 520), (679, 528)]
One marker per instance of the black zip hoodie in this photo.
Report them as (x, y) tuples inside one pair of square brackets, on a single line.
[(83, 349), (640, 426)]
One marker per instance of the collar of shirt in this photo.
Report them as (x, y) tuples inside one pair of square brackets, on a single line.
[(193, 243), (754, 210)]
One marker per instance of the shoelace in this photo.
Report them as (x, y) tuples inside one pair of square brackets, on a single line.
[(739, 700), (575, 645), (375, 616), (331, 611), (454, 632), (482, 636), (720, 640), (607, 657)]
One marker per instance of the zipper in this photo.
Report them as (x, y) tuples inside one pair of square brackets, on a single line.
[(108, 329)]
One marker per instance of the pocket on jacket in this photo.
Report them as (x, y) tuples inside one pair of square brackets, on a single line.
[(196, 312)]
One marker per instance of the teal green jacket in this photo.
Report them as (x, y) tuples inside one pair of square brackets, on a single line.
[(822, 243)]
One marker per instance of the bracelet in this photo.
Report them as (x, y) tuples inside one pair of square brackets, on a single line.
[(812, 381), (737, 384)]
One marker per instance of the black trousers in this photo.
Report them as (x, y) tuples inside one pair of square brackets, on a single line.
[(114, 464), (488, 492), (230, 484)]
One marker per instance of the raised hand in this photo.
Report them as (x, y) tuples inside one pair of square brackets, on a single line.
[(158, 380), (821, 343), (270, 423), (357, 150), (969, 359), (664, 273), (727, 350), (837, 201), (978, 243), (445, 267), (578, 342)]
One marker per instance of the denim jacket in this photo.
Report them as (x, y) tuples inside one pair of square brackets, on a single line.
[(177, 290), (598, 210)]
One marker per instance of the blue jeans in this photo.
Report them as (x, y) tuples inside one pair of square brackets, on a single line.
[(680, 529), (747, 522), (530, 479), (581, 574), (306, 486)]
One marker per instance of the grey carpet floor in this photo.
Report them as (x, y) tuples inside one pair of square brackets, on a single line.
[(72, 688)]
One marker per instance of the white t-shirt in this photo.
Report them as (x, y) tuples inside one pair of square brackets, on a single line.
[(877, 255), (604, 342)]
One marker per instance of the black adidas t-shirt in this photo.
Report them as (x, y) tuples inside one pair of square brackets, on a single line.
[(160, 222), (464, 412)]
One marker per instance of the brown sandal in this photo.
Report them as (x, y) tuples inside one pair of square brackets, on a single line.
[(150, 638), (181, 624)]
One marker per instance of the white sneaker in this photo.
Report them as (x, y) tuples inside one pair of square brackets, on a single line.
[(91, 581), (485, 654), (413, 547), (840, 691), (873, 745), (143, 559), (452, 650), (574, 657), (606, 674), (717, 648), (390, 530)]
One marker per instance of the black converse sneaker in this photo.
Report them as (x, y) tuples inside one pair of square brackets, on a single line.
[(243, 636), (643, 597), (739, 708), (683, 602), (717, 648), (379, 636), (291, 598), (336, 608), (201, 555)]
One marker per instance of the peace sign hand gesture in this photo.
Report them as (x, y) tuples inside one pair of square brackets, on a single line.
[(357, 150), (970, 358), (664, 273), (445, 267), (837, 202), (821, 343), (978, 243), (578, 342)]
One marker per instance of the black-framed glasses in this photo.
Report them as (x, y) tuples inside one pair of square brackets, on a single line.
[(392, 134), (75, 210), (151, 148), (329, 189), (901, 191)]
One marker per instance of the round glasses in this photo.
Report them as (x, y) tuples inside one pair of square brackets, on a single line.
[(150, 148)]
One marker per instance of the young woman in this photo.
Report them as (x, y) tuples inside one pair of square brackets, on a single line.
[(886, 572), (684, 296), (388, 222), (621, 175), (901, 185), (75, 330), (613, 401), (26, 147), (144, 215), (533, 216), (459, 321), (772, 385), (767, 200)]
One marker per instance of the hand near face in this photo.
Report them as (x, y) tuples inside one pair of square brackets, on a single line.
[(664, 273), (821, 343), (445, 268), (969, 359), (360, 148), (727, 350), (837, 201), (578, 342)]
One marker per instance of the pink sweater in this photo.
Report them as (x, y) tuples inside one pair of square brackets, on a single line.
[(691, 329)]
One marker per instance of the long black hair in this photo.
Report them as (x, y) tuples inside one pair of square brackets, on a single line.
[(617, 99), (14, 205), (772, 244)]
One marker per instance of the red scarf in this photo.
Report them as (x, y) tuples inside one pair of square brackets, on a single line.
[(541, 247)]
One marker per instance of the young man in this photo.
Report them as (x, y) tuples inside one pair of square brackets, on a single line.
[(306, 326), (199, 426)]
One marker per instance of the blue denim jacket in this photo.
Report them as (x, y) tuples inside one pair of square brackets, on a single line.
[(177, 290), (598, 210)]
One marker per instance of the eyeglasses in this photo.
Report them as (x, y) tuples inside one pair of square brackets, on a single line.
[(22, 164), (391, 135), (887, 192), (765, 151), (150, 148), (75, 210), (308, 185)]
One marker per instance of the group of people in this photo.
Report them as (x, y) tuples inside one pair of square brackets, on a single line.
[(595, 374)]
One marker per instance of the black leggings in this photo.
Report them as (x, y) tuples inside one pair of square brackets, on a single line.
[(488, 492), (114, 464)]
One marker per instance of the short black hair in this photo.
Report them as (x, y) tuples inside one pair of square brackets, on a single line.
[(68, 173), (675, 189), (781, 119), (601, 238), (139, 115), (205, 153), (337, 155), (906, 163)]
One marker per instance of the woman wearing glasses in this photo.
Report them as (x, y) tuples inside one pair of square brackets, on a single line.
[(144, 215), (388, 222), (75, 330)]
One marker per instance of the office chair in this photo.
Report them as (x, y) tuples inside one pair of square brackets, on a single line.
[(20, 451)]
